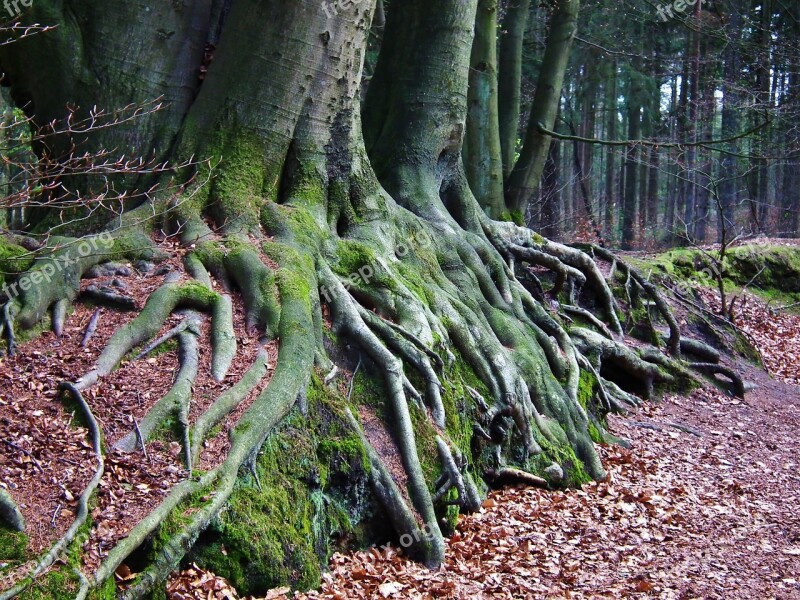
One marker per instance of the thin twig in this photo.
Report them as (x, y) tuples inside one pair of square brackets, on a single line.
[(55, 515), (140, 437), (26, 453), (353, 378)]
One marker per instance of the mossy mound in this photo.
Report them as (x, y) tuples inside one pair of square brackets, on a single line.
[(312, 497), (772, 272)]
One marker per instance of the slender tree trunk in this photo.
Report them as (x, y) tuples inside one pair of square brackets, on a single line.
[(512, 36), (611, 134), (634, 111), (524, 180), (482, 157), (759, 186), (731, 105), (551, 216), (707, 112), (693, 116), (633, 105)]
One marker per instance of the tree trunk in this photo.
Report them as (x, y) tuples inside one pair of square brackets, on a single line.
[(551, 217), (482, 158), (731, 104), (512, 36), (524, 180), (632, 160), (611, 134)]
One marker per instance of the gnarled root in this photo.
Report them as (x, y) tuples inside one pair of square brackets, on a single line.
[(511, 476), (348, 320), (711, 369), (176, 401)]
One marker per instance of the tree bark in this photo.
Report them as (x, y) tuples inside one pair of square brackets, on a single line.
[(512, 36), (524, 180), (482, 156)]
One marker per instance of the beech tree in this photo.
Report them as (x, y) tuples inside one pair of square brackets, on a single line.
[(353, 238)]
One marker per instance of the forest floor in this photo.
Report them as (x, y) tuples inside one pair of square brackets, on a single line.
[(703, 505)]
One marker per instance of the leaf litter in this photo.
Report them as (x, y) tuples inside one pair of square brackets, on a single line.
[(682, 515)]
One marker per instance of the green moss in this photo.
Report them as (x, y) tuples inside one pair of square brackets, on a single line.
[(196, 294), (771, 271), (574, 473), (368, 390), (458, 404), (586, 388), (53, 585), (313, 472), (239, 180), (13, 260), (513, 216), (352, 256), (425, 436), (107, 591), (13, 547)]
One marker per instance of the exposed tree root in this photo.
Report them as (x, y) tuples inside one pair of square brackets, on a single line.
[(91, 327), (223, 338), (59, 316), (9, 512), (347, 319), (455, 475), (391, 498), (711, 369), (176, 401), (108, 297), (585, 314), (228, 401), (8, 330), (599, 350), (511, 476), (663, 306), (156, 310), (413, 356)]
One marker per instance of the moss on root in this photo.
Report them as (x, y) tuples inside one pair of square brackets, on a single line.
[(13, 547), (314, 495), (13, 260)]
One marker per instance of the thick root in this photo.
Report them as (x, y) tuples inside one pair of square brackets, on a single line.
[(223, 338)]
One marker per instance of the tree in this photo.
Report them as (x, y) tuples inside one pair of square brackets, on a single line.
[(525, 177), (352, 237)]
